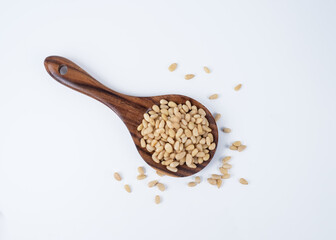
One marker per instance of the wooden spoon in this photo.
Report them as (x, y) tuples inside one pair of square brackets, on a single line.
[(129, 108)]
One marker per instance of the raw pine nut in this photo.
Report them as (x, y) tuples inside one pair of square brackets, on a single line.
[(217, 117), (189, 76), (141, 170), (117, 176), (213, 96), (233, 148), (206, 69), (215, 176), (226, 130), (142, 143), (226, 166), (243, 181), (226, 159), (156, 108), (241, 148), (163, 101), (172, 67), (219, 183), (127, 188), (161, 187), (236, 143), (223, 170), (174, 164), (192, 184), (152, 183), (197, 179), (226, 176), (238, 87), (141, 177), (172, 169), (212, 146), (161, 174), (157, 199), (212, 181)]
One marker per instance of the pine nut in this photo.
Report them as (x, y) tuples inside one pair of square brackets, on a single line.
[(238, 87), (226, 166), (226, 130), (157, 199), (189, 76), (217, 117), (206, 69), (141, 176), (192, 184), (172, 169), (219, 183), (161, 174), (212, 181), (213, 96), (226, 159), (233, 148), (127, 188), (216, 176), (243, 181), (172, 67), (141, 170), (236, 143), (152, 183), (161, 187), (197, 179), (241, 148), (117, 176)]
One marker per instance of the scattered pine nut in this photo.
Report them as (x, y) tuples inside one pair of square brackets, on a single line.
[(223, 170), (243, 181), (226, 159), (161, 174), (189, 76), (226, 176), (192, 184), (238, 87), (236, 143), (233, 148), (215, 176), (117, 176), (206, 69), (226, 166), (219, 183), (217, 117), (226, 130), (161, 187), (213, 96), (172, 67), (157, 199), (197, 179), (127, 188), (241, 148), (141, 176), (212, 181), (141, 170), (153, 183)]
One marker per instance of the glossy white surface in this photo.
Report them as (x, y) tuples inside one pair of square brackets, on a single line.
[(59, 148)]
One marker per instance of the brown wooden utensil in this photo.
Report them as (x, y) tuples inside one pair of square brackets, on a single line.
[(129, 108)]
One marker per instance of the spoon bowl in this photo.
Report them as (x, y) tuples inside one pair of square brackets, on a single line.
[(130, 109)]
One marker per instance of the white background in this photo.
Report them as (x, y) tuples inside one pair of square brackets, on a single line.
[(59, 148)]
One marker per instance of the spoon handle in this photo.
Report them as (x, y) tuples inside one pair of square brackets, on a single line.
[(71, 75)]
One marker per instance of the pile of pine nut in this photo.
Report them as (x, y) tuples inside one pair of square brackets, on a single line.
[(176, 134)]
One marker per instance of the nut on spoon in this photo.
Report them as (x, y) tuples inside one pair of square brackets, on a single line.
[(130, 109)]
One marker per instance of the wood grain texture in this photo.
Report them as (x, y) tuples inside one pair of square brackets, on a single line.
[(129, 108)]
